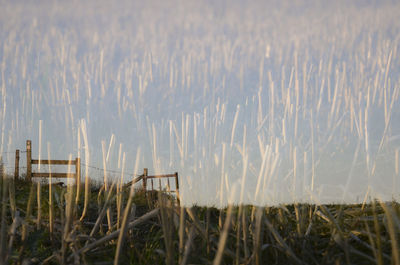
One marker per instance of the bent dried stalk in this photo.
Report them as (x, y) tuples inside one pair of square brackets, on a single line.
[(115, 234)]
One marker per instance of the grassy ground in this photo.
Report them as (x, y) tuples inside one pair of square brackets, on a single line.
[(123, 226)]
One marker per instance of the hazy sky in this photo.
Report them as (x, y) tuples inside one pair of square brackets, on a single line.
[(259, 101)]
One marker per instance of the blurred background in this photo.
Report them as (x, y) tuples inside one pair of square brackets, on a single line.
[(261, 102)]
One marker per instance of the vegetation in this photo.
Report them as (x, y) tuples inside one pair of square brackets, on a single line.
[(137, 227), (252, 102)]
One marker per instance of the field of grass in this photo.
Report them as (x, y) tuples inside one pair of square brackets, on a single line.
[(281, 117), (286, 101), (128, 226)]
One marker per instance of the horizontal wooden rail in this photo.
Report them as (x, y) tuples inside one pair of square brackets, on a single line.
[(161, 176), (53, 175), (53, 162)]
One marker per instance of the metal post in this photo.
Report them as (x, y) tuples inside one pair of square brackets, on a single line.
[(29, 160), (16, 168)]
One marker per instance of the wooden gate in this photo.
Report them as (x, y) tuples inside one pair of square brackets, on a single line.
[(145, 178), (30, 162)]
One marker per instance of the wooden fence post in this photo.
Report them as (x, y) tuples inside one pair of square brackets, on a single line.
[(78, 177), (177, 188), (16, 168), (145, 172), (28, 160)]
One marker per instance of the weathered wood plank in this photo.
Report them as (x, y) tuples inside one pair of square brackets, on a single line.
[(134, 181), (161, 176), (53, 175), (53, 162), (28, 159), (16, 166)]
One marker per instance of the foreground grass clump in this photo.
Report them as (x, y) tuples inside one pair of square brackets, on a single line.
[(127, 226)]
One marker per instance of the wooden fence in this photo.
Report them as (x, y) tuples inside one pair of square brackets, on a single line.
[(147, 181), (30, 162), (145, 178)]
